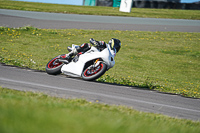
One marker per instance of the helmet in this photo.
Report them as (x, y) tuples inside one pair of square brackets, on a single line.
[(115, 44)]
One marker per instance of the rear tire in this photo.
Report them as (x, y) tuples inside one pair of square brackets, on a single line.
[(96, 73), (54, 68)]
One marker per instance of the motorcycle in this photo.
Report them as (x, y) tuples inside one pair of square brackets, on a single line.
[(90, 66)]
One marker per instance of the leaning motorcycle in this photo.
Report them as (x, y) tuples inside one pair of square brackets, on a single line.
[(90, 66)]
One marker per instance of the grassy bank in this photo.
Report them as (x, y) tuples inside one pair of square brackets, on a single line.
[(163, 61), (22, 112), (108, 11)]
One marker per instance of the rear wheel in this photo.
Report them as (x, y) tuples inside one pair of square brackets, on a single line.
[(92, 73), (54, 67)]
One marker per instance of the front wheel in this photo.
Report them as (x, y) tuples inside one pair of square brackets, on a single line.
[(53, 67), (92, 73)]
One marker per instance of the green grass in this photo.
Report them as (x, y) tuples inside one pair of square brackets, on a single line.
[(22, 112), (164, 61), (93, 10)]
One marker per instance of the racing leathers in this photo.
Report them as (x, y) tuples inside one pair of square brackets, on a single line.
[(100, 45)]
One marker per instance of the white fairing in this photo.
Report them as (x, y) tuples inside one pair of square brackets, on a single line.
[(75, 69)]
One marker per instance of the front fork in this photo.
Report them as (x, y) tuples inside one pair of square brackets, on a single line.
[(95, 65)]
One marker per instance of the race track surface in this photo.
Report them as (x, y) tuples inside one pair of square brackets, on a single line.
[(17, 18), (137, 98)]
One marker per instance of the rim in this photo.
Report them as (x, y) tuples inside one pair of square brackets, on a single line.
[(90, 72), (54, 64)]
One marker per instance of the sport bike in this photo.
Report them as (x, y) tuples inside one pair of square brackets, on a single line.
[(90, 66)]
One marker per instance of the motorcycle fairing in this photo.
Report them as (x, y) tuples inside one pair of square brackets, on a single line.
[(75, 69)]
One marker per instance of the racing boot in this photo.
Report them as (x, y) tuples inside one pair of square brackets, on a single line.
[(69, 48), (72, 52), (73, 46)]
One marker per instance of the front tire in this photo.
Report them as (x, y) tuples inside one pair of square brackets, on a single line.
[(54, 68), (95, 73)]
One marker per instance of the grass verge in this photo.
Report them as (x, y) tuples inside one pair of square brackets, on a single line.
[(164, 61), (22, 112), (96, 10)]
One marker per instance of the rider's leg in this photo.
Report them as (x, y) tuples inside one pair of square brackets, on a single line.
[(74, 51), (84, 47)]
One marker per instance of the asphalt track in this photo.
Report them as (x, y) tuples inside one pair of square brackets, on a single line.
[(17, 18), (62, 86), (137, 98)]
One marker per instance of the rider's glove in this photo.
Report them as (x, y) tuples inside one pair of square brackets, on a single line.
[(93, 42)]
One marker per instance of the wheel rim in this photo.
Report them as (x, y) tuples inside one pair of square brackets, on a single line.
[(95, 70), (54, 64)]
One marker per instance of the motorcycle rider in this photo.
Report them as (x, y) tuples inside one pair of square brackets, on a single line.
[(115, 44)]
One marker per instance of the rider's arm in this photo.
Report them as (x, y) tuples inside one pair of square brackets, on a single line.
[(98, 44)]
